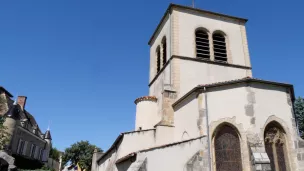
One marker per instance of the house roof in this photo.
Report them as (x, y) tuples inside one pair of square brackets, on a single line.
[(133, 154), (171, 6), (6, 92), (118, 139), (231, 82)]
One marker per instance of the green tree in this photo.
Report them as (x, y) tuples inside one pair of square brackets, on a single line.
[(4, 136), (55, 154), (80, 153), (2, 104), (299, 112)]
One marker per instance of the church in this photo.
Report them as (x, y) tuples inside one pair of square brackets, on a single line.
[(205, 111)]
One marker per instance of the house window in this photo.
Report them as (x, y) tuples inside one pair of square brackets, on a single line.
[(33, 150), (158, 59), (219, 47), (20, 147), (227, 150), (164, 45), (275, 145), (202, 44)]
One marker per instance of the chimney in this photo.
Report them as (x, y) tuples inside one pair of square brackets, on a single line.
[(22, 101)]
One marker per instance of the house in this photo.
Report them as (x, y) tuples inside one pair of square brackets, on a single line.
[(205, 110), (26, 140)]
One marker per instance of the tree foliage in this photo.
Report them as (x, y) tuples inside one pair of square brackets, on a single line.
[(2, 104), (4, 136), (80, 153), (299, 112), (55, 154)]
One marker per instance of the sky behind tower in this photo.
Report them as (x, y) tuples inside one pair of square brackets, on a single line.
[(83, 63)]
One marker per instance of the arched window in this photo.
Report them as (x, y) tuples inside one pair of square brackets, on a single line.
[(164, 45), (158, 59), (219, 47), (275, 145), (202, 44), (227, 150)]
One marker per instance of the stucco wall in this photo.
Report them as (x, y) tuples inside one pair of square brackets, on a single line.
[(180, 157), (247, 106), (251, 106), (195, 73), (164, 30), (133, 142), (185, 120), (146, 115), (189, 21), (164, 135)]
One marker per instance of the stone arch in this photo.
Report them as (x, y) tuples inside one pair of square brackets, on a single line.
[(242, 137), (227, 143), (273, 122), (273, 118)]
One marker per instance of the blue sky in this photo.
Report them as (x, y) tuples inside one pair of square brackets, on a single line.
[(82, 63)]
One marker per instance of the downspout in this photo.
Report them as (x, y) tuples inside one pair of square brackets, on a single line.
[(208, 133)]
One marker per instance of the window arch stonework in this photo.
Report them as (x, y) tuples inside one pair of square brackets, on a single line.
[(227, 149), (275, 145)]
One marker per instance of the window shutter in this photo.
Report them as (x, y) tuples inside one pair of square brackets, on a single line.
[(25, 148)]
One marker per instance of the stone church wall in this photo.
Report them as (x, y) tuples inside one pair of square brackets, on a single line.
[(248, 107)]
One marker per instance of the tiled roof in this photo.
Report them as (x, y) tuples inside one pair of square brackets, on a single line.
[(240, 80), (145, 98)]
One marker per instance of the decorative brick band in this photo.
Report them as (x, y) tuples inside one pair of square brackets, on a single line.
[(146, 98)]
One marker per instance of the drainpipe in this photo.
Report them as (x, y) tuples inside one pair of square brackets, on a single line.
[(208, 134)]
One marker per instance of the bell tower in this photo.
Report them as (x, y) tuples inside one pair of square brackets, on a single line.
[(191, 47)]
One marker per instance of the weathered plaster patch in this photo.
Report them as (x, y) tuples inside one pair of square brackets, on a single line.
[(200, 123), (249, 110), (252, 120), (250, 95)]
